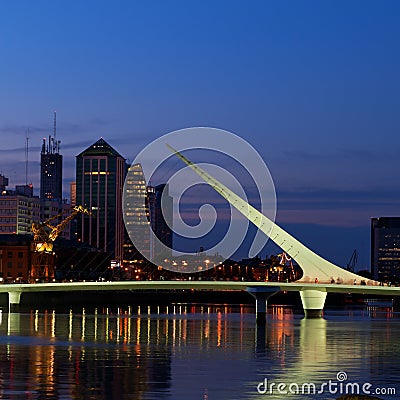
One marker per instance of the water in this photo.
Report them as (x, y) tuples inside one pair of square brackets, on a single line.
[(194, 352)]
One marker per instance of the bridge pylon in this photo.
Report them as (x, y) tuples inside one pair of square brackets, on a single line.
[(313, 301), (315, 268)]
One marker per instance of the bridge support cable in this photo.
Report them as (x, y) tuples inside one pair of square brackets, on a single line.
[(315, 268)]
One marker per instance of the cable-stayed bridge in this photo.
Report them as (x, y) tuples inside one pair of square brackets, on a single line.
[(16, 290), (319, 275)]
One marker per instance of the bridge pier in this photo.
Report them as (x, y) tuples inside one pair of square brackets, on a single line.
[(262, 294), (13, 301), (313, 301)]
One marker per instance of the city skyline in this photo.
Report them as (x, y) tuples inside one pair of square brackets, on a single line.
[(313, 87)]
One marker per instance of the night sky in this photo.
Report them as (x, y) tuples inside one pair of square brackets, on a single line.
[(313, 86)]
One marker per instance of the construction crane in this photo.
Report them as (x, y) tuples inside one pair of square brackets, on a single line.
[(351, 265), (44, 235), (286, 262)]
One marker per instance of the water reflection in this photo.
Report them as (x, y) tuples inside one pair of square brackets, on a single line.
[(185, 351), (13, 323)]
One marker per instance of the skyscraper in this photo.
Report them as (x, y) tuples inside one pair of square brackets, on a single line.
[(51, 170), (161, 221), (147, 207), (136, 215), (100, 174), (385, 249), (51, 199)]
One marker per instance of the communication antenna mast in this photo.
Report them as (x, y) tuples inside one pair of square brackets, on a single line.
[(55, 125), (26, 155), (56, 144)]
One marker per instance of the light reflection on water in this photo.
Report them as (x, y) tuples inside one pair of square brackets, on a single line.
[(191, 352)]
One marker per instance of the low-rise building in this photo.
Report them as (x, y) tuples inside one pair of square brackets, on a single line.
[(18, 212), (15, 257)]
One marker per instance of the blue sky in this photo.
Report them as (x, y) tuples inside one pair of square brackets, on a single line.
[(313, 86)]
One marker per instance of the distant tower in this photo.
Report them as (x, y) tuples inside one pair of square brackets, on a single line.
[(51, 168)]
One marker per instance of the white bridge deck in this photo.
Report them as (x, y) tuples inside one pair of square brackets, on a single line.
[(198, 285)]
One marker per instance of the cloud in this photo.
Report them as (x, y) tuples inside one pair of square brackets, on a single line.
[(347, 217), (99, 121), (81, 145), (350, 154), (18, 129), (337, 207), (63, 128), (20, 150), (317, 198)]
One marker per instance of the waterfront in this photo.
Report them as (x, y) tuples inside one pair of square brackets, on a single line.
[(192, 351)]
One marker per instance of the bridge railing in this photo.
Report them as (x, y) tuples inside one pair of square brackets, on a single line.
[(339, 280)]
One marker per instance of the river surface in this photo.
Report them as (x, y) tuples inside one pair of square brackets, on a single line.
[(202, 352)]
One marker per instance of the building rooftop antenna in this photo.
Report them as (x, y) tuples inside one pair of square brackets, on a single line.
[(54, 132), (26, 155), (55, 124)]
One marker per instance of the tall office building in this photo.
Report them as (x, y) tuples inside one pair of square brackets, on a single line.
[(51, 170), (385, 249), (136, 215), (100, 174), (146, 207), (161, 220), (51, 199)]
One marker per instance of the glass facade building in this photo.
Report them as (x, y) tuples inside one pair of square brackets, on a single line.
[(137, 210), (385, 249), (161, 221), (100, 174)]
